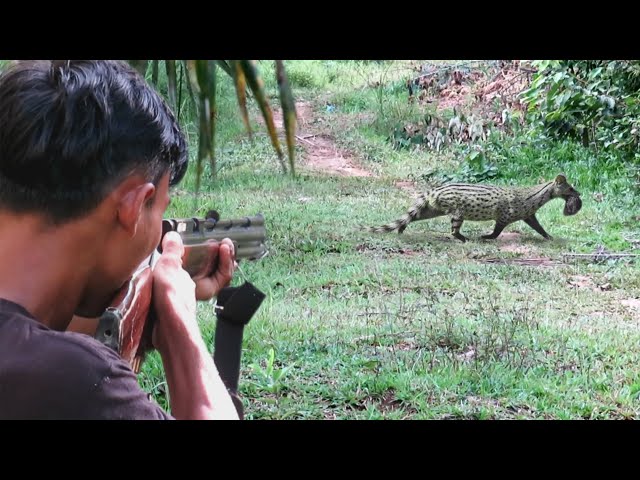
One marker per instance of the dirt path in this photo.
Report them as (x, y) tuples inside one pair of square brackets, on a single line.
[(321, 153)]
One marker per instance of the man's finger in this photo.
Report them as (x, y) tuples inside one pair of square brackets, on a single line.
[(229, 243), (172, 244), (227, 262)]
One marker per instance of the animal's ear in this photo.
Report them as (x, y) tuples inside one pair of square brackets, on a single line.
[(560, 179)]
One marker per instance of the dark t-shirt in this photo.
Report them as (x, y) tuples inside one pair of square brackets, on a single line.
[(46, 374)]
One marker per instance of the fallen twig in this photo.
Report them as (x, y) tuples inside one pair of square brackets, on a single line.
[(598, 257), (535, 262), (304, 139)]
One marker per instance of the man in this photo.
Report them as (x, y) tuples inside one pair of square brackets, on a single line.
[(88, 152)]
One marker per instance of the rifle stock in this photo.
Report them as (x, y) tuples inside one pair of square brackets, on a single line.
[(127, 324)]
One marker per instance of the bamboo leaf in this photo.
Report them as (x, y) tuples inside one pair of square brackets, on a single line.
[(204, 144), (180, 89), (203, 141), (241, 93), (211, 74), (226, 67), (154, 72), (192, 82), (202, 78), (201, 75), (257, 87), (289, 115), (193, 77), (170, 66)]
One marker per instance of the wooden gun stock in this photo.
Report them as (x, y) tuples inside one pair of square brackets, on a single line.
[(126, 325)]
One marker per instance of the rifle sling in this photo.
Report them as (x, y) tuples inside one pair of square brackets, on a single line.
[(227, 355), (234, 308)]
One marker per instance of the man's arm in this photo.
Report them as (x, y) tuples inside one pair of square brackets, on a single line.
[(195, 387)]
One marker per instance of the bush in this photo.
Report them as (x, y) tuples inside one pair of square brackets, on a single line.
[(594, 101)]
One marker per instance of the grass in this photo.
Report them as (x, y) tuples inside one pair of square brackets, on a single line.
[(419, 326)]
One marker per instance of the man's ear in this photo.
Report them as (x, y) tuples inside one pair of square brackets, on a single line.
[(560, 179), (131, 203)]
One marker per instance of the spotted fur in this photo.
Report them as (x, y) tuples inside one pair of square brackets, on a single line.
[(478, 202)]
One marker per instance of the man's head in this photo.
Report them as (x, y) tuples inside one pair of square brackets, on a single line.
[(88, 151), (72, 130)]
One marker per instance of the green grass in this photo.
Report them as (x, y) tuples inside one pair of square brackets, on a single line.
[(420, 326)]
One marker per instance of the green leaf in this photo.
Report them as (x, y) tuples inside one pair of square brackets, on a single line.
[(538, 82), (257, 87), (154, 72), (225, 67), (241, 92), (288, 112), (206, 86), (170, 66)]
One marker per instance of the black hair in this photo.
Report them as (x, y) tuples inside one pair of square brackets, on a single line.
[(71, 130)]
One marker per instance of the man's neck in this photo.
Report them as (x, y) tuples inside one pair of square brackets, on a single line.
[(45, 269)]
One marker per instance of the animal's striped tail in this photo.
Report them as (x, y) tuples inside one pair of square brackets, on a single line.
[(401, 223)]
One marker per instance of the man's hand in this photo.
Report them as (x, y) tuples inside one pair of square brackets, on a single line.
[(220, 271)]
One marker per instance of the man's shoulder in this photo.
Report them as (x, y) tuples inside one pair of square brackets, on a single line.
[(77, 349), (21, 333), (55, 374), (46, 357), (25, 337)]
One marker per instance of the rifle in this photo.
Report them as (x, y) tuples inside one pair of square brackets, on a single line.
[(127, 324)]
